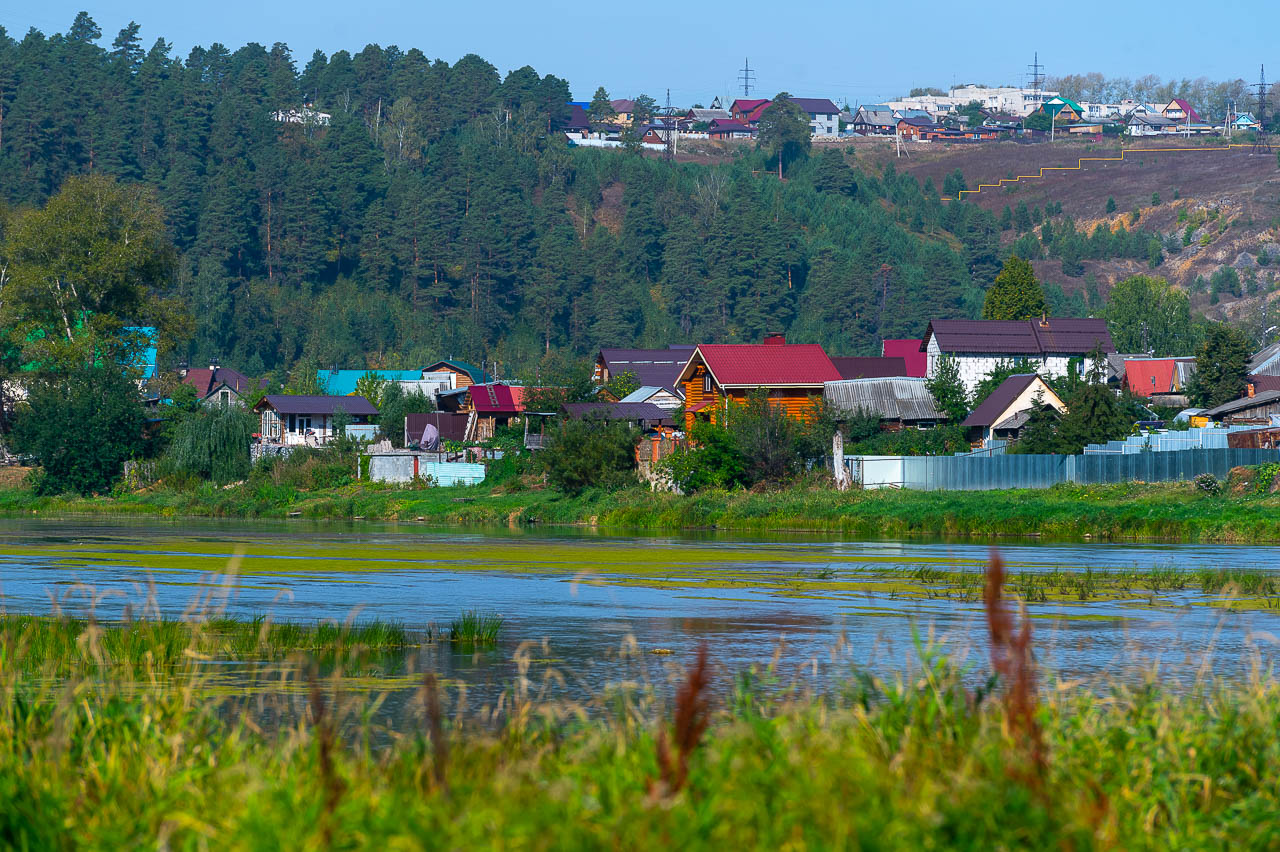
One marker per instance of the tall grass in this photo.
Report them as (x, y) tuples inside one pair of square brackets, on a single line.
[(475, 628)]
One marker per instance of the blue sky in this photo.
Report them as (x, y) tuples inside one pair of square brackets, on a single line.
[(862, 52)]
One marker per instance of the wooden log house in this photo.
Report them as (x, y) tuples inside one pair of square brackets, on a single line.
[(793, 374)]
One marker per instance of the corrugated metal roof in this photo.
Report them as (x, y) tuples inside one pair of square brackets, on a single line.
[(656, 367), (1150, 375), (766, 365), (821, 106), (870, 368), (1244, 403), (905, 399), (299, 404), (1266, 362), (494, 398)]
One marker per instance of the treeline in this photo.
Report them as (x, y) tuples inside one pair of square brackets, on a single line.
[(1209, 97), (436, 212)]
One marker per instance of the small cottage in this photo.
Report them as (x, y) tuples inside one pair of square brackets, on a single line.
[(288, 419), (1006, 411)]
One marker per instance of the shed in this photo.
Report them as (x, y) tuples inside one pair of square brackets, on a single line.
[(900, 402), (1258, 408), (661, 397), (644, 415)]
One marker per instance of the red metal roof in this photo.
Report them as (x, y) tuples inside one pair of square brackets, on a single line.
[(1150, 375), (912, 351), (1187, 108), (766, 365), (496, 398)]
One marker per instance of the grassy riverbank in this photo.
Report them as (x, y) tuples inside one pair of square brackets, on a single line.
[(1175, 511), (95, 762)]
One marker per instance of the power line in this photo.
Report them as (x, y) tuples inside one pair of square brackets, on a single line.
[(747, 78)]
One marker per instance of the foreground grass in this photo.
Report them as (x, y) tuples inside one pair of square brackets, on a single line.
[(924, 763), (1173, 511)]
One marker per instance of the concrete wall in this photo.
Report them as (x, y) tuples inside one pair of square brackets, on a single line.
[(401, 467)]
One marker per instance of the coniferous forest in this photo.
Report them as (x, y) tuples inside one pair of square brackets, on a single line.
[(440, 213)]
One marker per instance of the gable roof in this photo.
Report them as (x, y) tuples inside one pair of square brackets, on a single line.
[(750, 365), (1145, 376), (916, 121), (657, 367), (909, 350), (707, 114), (995, 406), (577, 119), (476, 374), (298, 404), (623, 105), (821, 106), (1266, 361), (905, 399), (1052, 336), (747, 105), (728, 125), (648, 392), (205, 380), (1185, 107), (870, 368), (496, 398), (1059, 101)]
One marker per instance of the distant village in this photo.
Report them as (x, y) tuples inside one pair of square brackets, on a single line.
[(967, 114)]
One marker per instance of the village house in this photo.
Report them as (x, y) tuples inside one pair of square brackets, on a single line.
[(464, 374), (729, 128), (1006, 410), (1162, 380), (219, 386), (792, 374), (659, 368), (748, 110), (698, 115), (824, 116), (1258, 408), (1180, 111), (1062, 109), (899, 402), (1146, 124), (915, 128), (874, 120), (1047, 344), (487, 405), (291, 420), (625, 109)]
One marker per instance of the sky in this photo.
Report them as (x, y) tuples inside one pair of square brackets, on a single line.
[(857, 52)]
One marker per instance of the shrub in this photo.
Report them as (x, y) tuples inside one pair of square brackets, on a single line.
[(1208, 484), (590, 453)]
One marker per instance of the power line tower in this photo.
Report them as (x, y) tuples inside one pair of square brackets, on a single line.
[(747, 78), (670, 123), (1262, 142), (1036, 79)]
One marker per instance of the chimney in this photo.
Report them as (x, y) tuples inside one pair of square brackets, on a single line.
[(775, 340), (1251, 390)]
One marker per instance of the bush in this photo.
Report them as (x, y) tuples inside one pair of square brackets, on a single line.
[(1208, 483), (590, 453)]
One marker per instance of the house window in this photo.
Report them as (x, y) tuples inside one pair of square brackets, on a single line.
[(706, 383), (224, 397), (304, 422)]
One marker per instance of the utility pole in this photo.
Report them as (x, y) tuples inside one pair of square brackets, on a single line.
[(747, 78)]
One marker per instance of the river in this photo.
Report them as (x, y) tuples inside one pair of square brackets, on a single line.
[(602, 610)]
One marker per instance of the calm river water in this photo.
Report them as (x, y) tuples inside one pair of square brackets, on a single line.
[(598, 605)]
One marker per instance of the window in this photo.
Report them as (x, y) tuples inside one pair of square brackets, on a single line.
[(224, 397), (304, 422), (706, 383)]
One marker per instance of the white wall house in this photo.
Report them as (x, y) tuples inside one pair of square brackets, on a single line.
[(294, 419), (1041, 346), (824, 116)]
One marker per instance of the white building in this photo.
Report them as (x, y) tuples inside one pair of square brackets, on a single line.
[(306, 115), (824, 116), (1044, 346)]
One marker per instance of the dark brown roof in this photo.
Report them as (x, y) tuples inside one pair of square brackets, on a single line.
[(1054, 336), (645, 411), (299, 404), (658, 368), (870, 368), (822, 106), (1000, 399)]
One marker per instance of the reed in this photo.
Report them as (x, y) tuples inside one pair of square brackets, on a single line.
[(475, 629)]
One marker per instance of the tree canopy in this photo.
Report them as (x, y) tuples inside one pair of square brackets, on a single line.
[(1222, 364), (1016, 293), (1145, 314)]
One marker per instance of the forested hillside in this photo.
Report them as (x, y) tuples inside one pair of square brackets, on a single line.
[(439, 213)]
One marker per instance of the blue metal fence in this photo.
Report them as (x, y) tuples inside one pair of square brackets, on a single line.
[(984, 473)]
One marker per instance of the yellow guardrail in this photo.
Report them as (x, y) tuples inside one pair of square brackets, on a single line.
[(1080, 165)]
